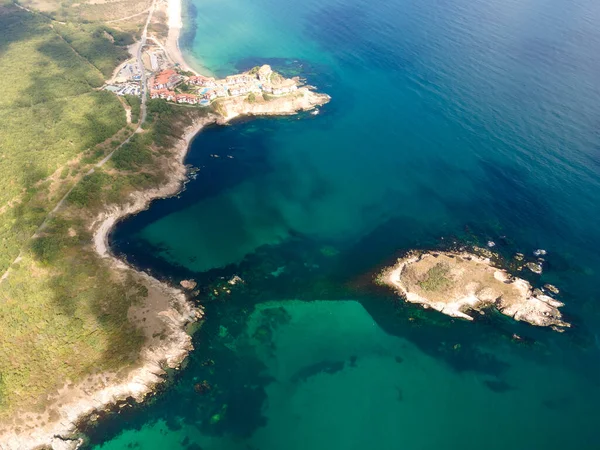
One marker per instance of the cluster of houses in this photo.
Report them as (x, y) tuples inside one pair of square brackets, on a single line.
[(127, 80), (207, 89), (124, 89)]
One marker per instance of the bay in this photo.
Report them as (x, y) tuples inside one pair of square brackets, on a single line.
[(450, 121)]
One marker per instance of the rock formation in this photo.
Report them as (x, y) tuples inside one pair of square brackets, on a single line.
[(454, 283)]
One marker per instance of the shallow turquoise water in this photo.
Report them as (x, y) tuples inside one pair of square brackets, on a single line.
[(451, 121)]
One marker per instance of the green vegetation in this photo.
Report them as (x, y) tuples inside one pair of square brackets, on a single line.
[(95, 45), (435, 279), (135, 104), (87, 11), (137, 164), (133, 155), (63, 309), (75, 309), (251, 97), (50, 113), (186, 73), (119, 38), (276, 78), (183, 88)]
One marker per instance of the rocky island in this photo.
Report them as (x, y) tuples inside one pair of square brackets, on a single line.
[(455, 283)]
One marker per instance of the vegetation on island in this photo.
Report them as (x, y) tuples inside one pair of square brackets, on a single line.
[(436, 278)]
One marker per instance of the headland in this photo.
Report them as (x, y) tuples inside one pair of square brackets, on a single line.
[(156, 69)]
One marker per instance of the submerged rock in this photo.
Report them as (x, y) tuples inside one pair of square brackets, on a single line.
[(534, 267), (203, 387), (455, 283)]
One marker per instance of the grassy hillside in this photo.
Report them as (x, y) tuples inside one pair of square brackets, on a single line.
[(62, 293), (86, 11), (51, 111), (56, 323), (64, 310)]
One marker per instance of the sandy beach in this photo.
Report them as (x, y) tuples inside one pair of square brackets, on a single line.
[(175, 24)]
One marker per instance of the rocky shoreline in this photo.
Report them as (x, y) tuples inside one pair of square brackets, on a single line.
[(166, 313), (167, 308), (455, 283), (304, 99)]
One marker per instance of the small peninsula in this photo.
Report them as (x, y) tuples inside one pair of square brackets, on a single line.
[(455, 282)]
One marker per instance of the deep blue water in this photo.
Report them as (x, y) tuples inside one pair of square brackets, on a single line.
[(451, 121)]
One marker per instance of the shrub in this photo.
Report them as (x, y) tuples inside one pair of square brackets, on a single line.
[(435, 279), (88, 191)]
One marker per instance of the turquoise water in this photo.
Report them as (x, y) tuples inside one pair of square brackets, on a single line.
[(451, 121)]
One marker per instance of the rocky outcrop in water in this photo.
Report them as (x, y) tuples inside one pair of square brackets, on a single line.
[(456, 283), (188, 284)]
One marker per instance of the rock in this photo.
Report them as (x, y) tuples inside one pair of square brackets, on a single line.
[(491, 244), (203, 387), (551, 288), (188, 284), (537, 312), (480, 251), (551, 301), (534, 267), (540, 252), (235, 280), (519, 256)]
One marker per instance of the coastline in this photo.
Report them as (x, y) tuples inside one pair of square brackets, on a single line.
[(167, 306), (166, 311)]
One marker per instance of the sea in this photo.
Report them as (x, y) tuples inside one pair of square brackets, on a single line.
[(452, 123)]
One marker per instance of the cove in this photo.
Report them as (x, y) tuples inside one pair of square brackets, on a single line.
[(449, 122)]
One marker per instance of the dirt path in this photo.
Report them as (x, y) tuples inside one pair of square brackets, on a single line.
[(127, 109), (107, 157), (131, 16)]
